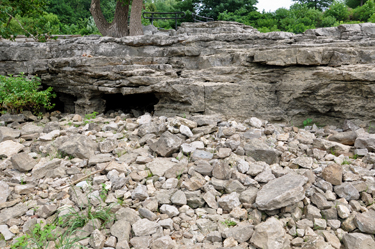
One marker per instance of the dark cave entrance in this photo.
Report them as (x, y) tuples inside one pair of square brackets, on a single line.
[(64, 103), (126, 103)]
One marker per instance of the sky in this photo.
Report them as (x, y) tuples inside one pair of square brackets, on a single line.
[(272, 5)]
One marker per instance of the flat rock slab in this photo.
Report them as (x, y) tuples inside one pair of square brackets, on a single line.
[(79, 146), (9, 148), (281, 192), (366, 221), (13, 212), (358, 241), (4, 191), (160, 165), (145, 227)]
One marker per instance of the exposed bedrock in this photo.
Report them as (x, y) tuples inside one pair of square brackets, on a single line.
[(219, 67)]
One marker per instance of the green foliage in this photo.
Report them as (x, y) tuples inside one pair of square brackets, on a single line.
[(103, 192), (317, 4), (229, 223), (364, 13), (212, 8), (19, 93), (39, 237), (48, 24), (372, 18), (91, 116), (354, 157), (338, 10), (328, 21), (12, 10), (354, 3), (297, 19), (307, 122)]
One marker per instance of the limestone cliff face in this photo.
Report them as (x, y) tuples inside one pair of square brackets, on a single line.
[(219, 67)]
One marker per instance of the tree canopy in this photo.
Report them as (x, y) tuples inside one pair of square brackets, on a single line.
[(41, 18), (317, 4), (212, 8), (12, 9)]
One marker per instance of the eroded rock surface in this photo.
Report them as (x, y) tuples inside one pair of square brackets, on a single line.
[(217, 67)]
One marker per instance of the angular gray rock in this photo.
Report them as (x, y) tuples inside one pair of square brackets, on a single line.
[(160, 165), (4, 192), (140, 192), (260, 151), (43, 169), (5, 232), (167, 144), (9, 148), (23, 162), (358, 240), (270, 235), (241, 233), (179, 198), (365, 141), (228, 202), (221, 170), (8, 134), (164, 242), (97, 239), (203, 167), (347, 138), (12, 212), (347, 191), (108, 145), (79, 146), (170, 210), (366, 221), (281, 192), (121, 229), (145, 227)]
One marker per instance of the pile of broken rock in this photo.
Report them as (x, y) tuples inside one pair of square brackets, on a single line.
[(195, 182)]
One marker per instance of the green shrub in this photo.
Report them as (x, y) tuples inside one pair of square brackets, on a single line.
[(19, 93), (372, 18), (328, 21), (338, 10), (364, 12)]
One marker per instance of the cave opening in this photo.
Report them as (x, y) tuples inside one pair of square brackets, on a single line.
[(64, 103), (126, 103)]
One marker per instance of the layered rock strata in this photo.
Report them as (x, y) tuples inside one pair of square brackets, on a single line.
[(218, 67)]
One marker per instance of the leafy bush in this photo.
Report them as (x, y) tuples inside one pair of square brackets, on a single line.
[(372, 18), (40, 27), (328, 21), (337, 10), (19, 93), (364, 12)]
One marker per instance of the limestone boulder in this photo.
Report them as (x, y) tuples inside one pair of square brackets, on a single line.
[(281, 192), (79, 146), (270, 235)]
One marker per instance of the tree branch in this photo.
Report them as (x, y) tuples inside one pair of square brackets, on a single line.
[(19, 23), (10, 18)]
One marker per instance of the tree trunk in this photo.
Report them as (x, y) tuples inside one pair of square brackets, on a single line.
[(136, 18), (119, 26)]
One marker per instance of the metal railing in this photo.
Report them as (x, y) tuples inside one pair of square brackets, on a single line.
[(152, 17), (195, 16)]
